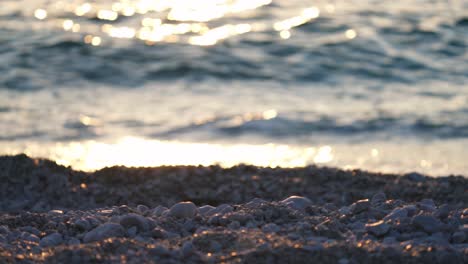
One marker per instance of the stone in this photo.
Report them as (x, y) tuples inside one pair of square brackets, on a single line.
[(206, 209), (427, 205), (458, 237), (187, 249), (183, 210), (138, 221), (132, 231), (397, 213), (158, 211), (158, 232), (379, 228), (82, 224), (427, 223), (297, 202), (443, 211), (270, 228), (142, 209), (360, 206), (223, 209), (73, 241), (51, 240), (30, 237), (104, 231), (378, 199), (345, 210)]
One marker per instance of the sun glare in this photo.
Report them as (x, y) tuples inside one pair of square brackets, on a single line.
[(201, 23)]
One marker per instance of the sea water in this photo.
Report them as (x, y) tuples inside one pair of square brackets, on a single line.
[(376, 85)]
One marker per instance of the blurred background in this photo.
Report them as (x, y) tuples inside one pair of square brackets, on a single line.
[(377, 85)]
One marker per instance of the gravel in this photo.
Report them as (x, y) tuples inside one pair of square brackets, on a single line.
[(246, 214)]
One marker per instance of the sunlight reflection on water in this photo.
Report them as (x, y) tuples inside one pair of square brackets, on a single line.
[(170, 21)]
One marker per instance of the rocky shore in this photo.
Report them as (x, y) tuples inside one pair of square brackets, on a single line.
[(244, 214)]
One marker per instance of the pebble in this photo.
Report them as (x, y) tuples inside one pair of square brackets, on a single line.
[(30, 237), (427, 205), (397, 213), (206, 209), (158, 211), (378, 199), (459, 237), (104, 231), (142, 209), (345, 210), (270, 228), (82, 224), (51, 240), (297, 202), (360, 206), (135, 220), (187, 249), (73, 241), (183, 210), (379, 228), (427, 223)]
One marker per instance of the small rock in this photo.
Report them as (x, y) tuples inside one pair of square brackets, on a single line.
[(206, 209), (159, 233), (427, 205), (4, 230), (397, 213), (132, 231), (73, 241), (443, 211), (136, 220), (427, 223), (360, 206), (82, 224), (255, 203), (379, 228), (458, 237), (345, 210), (270, 228), (158, 211), (414, 176), (223, 209), (187, 249), (142, 209), (297, 202), (104, 231), (378, 199), (30, 237), (183, 210), (51, 240)]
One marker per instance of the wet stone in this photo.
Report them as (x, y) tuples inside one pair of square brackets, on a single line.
[(51, 240), (104, 231), (379, 228), (397, 213), (459, 237), (297, 202), (135, 220), (183, 210), (427, 223), (142, 209), (360, 206), (378, 199)]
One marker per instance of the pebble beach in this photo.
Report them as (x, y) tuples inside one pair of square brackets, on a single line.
[(244, 214)]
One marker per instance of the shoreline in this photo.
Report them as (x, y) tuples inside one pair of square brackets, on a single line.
[(49, 212)]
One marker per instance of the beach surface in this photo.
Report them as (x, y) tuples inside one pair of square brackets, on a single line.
[(244, 214)]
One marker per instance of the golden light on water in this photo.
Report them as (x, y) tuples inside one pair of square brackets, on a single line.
[(350, 33), (40, 14), (198, 23), (133, 151)]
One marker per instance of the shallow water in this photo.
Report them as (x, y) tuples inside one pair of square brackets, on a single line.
[(379, 85)]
